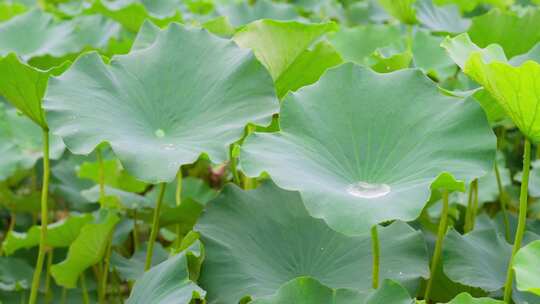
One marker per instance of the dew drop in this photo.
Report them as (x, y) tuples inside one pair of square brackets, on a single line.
[(159, 133), (169, 147), (367, 190)]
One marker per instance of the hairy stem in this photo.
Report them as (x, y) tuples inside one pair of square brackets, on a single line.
[(438, 245), (468, 213), (101, 177), (48, 277), (376, 256), (502, 201), (44, 220), (178, 203), (155, 228), (522, 221), (135, 232)]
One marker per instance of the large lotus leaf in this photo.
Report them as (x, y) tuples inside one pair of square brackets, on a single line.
[(114, 175), (515, 33), (533, 54), (479, 258), (386, 138), (43, 36), (445, 18), (516, 89), (465, 298), (306, 290), (15, 274), (21, 143), (430, 57), (24, 86), (282, 46), (403, 10), (59, 234), (241, 13), (526, 264), (132, 13), (9, 10), (258, 240), (158, 116), (86, 250), (116, 198), (357, 43), (170, 282)]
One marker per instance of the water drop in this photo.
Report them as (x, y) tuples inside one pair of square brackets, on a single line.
[(159, 133), (367, 190), (168, 147)]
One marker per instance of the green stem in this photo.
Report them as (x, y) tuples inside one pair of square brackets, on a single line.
[(376, 256), (178, 203), (468, 213), (236, 176), (84, 290), (522, 219), (48, 277), (438, 245), (101, 177), (502, 201), (155, 228), (63, 296), (44, 220), (475, 204), (135, 232), (105, 272)]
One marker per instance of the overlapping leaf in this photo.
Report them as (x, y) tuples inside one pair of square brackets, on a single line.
[(370, 155), (155, 115), (258, 240)]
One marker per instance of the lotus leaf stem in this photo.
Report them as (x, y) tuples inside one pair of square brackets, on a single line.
[(44, 220), (522, 221), (155, 227), (502, 201), (438, 245), (101, 177), (84, 289), (105, 272), (376, 256), (178, 203), (48, 277)]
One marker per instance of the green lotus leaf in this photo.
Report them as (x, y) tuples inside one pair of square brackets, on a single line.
[(21, 143), (114, 175), (306, 290), (502, 28), (514, 88), (241, 13), (389, 59), (170, 282), (132, 13), (357, 43), (24, 86), (533, 54), (258, 240), (86, 250), (494, 112), (430, 57), (219, 26), (9, 10), (403, 10), (20, 202), (526, 264), (445, 18), (283, 48), (44, 36), (370, 163), (59, 234), (479, 258), (132, 268), (465, 298), (157, 117), (15, 274)]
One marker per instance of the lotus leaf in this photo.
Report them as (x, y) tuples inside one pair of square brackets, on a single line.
[(526, 264)]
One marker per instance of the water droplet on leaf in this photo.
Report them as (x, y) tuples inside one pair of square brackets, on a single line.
[(159, 133), (367, 190)]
